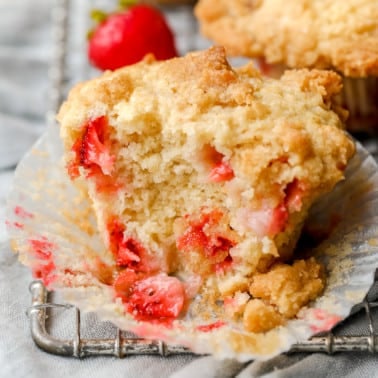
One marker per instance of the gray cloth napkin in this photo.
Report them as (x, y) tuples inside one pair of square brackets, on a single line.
[(25, 53)]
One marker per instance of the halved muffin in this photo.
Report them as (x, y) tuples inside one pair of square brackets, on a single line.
[(201, 178)]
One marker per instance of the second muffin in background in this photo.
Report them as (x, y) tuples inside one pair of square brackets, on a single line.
[(340, 35)]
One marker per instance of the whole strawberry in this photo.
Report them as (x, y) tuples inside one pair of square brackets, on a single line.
[(125, 37)]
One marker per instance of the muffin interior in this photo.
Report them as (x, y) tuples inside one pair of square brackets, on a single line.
[(201, 178)]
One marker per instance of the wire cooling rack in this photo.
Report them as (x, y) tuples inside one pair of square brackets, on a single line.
[(121, 344)]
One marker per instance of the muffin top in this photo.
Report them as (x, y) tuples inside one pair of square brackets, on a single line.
[(342, 35), (202, 97)]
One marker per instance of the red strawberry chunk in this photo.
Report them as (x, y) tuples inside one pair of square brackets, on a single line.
[(193, 238), (158, 296), (216, 163), (271, 221), (221, 172), (278, 221), (128, 251), (91, 150), (267, 221), (202, 234)]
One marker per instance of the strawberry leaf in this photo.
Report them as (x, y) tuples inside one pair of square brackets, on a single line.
[(98, 16), (124, 4)]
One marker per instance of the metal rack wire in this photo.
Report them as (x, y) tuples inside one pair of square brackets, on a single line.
[(121, 345), (118, 346)]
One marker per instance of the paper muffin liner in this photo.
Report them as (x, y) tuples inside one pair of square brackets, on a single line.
[(360, 98), (53, 228)]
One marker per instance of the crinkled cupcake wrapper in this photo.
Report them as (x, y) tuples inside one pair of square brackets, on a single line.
[(45, 206), (360, 97)]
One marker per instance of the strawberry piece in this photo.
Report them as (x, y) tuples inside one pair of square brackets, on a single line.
[(202, 234), (221, 172), (124, 38), (205, 236), (193, 238), (158, 296), (130, 252), (127, 251), (271, 70), (278, 221), (91, 151), (220, 169), (267, 221)]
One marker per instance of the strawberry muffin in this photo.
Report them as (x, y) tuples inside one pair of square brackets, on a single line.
[(201, 177), (339, 35)]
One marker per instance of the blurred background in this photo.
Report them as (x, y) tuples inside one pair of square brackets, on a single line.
[(25, 52), (31, 46)]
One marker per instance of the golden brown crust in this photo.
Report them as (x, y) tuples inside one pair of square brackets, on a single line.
[(289, 287), (261, 317), (278, 294), (299, 33)]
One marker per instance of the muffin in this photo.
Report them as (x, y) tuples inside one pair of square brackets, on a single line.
[(338, 35), (201, 177)]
